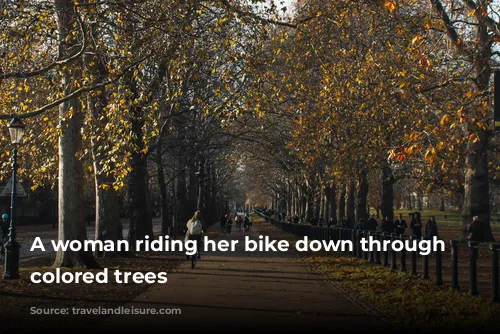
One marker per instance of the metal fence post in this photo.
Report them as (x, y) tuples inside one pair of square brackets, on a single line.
[(495, 284), (385, 236), (425, 264), (393, 253), (454, 264), (377, 254), (413, 258), (402, 268), (439, 267), (473, 268)]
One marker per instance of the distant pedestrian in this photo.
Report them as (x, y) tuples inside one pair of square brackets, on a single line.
[(5, 225), (360, 225), (416, 226), (387, 225), (371, 224), (223, 220), (229, 224), (431, 228), (400, 225), (474, 230)]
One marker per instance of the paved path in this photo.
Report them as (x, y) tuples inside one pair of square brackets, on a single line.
[(243, 290)]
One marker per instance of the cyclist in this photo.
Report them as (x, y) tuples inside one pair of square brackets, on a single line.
[(247, 223), (5, 232), (195, 230)]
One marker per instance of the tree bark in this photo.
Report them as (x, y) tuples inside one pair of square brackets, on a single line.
[(163, 191), (107, 216), (362, 212), (342, 198), (441, 204), (388, 193), (332, 206), (71, 211), (477, 199), (351, 195)]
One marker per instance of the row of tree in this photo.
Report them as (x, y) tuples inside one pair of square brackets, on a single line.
[(131, 97), (373, 97)]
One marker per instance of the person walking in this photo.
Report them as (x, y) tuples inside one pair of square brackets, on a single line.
[(416, 226), (229, 224), (474, 230), (387, 225), (223, 220), (360, 225), (371, 224), (431, 228), (5, 228), (400, 225)]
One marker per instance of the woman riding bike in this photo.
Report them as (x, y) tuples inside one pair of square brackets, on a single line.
[(195, 230), (247, 223)]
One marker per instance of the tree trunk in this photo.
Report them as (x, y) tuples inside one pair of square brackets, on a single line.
[(441, 204), (148, 223), (309, 207), (107, 216), (387, 193), (71, 210), (332, 206), (362, 213), (181, 197), (137, 190), (342, 203), (163, 191), (476, 198), (192, 187), (351, 195)]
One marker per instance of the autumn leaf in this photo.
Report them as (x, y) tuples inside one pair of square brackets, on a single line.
[(445, 119), (390, 5)]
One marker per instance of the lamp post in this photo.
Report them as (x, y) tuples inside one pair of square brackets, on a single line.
[(16, 131)]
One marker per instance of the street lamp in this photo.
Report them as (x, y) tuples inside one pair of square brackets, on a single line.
[(16, 131)]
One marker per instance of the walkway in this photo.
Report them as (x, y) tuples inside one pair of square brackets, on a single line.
[(243, 290)]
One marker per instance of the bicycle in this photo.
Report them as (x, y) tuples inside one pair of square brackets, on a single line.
[(193, 259), (195, 256)]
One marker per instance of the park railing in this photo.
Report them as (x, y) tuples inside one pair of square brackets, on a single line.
[(393, 260)]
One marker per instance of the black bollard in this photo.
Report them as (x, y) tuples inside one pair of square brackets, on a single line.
[(393, 253), (413, 258), (378, 236), (454, 264), (473, 268), (439, 267), (385, 236), (495, 284), (425, 264), (402, 268)]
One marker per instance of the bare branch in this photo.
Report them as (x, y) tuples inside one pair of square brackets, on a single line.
[(30, 74), (275, 22), (75, 93)]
